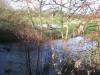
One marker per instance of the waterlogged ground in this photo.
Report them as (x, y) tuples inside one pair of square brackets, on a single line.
[(13, 56), (76, 48)]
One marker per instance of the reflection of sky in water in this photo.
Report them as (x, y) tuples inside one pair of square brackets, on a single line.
[(80, 43), (75, 45), (45, 53), (78, 47)]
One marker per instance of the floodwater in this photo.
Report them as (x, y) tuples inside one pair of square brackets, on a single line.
[(50, 56), (77, 48)]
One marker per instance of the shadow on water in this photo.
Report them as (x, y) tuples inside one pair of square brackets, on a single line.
[(50, 58), (75, 48)]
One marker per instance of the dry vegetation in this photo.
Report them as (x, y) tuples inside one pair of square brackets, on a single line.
[(22, 33)]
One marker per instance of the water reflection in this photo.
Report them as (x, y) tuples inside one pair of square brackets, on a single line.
[(67, 51)]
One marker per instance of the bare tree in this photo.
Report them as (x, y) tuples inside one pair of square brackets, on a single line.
[(2, 3)]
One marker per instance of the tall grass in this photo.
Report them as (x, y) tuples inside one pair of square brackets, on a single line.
[(8, 17)]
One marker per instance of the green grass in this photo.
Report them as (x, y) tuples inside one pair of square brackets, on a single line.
[(71, 23)]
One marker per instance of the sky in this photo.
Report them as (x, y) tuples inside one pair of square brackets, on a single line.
[(19, 5)]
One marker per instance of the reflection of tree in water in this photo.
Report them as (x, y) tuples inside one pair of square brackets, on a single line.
[(63, 60)]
